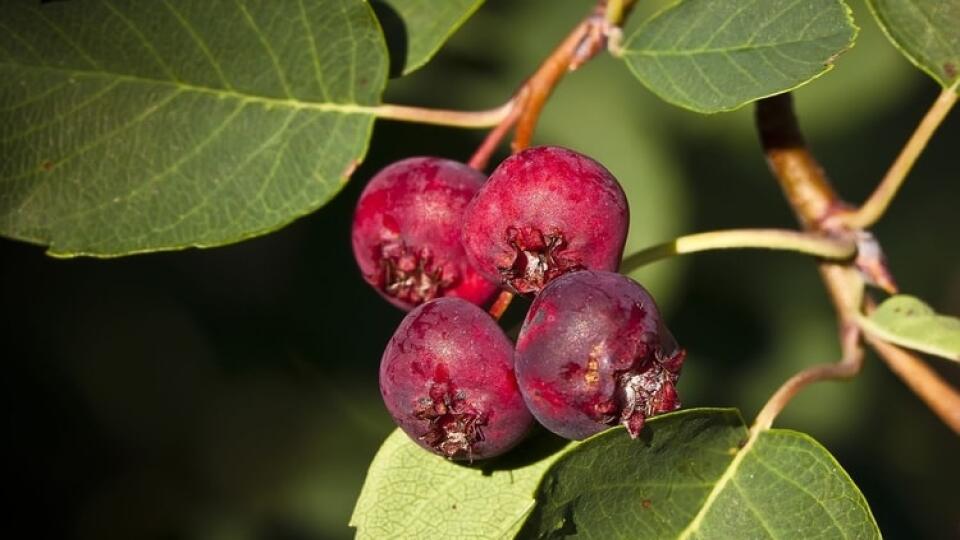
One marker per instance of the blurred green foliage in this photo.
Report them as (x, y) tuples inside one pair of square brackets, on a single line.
[(232, 393)]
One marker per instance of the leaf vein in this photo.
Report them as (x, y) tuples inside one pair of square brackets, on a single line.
[(191, 31)]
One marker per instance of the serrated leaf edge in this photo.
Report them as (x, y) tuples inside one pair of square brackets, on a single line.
[(828, 66), (371, 111), (950, 85), (728, 474), (410, 68)]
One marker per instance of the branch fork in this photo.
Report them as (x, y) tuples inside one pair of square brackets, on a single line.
[(820, 209)]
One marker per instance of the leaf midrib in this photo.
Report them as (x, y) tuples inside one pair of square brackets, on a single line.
[(718, 488), (268, 102)]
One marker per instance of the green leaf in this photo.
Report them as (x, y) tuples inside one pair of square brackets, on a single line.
[(907, 321), (411, 493), (711, 56), (416, 29), (687, 477), (130, 126), (927, 32)]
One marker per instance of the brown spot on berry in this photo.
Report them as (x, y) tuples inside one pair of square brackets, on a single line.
[(601, 346), (592, 374)]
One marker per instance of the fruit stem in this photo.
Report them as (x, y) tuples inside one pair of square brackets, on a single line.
[(486, 149), (878, 202), (778, 239), (446, 117), (818, 207), (500, 305), (583, 43), (587, 39)]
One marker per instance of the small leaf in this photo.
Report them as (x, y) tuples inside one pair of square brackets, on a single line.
[(410, 493), (711, 56), (688, 477), (907, 321), (927, 32), (129, 126), (416, 29)]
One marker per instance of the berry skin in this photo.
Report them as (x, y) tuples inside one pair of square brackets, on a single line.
[(543, 212), (406, 232), (447, 379), (593, 352)]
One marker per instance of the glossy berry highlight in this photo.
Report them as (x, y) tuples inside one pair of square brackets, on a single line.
[(406, 232), (593, 353), (544, 212), (447, 379)]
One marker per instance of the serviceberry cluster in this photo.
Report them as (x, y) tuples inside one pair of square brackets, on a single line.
[(435, 237)]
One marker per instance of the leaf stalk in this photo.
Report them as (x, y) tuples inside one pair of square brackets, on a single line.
[(878, 202), (775, 239)]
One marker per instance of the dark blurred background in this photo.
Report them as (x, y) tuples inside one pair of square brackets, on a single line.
[(231, 393)]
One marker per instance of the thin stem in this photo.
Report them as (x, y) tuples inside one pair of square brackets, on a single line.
[(848, 367), (786, 240), (815, 203), (582, 43), (489, 145), (875, 206), (541, 84), (939, 396), (587, 39), (445, 117), (617, 10), (500, 305)]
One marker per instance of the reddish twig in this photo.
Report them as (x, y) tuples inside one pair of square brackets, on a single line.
[(581, 44), (817, 207), (848, 367), (926, 383), (481, 157)]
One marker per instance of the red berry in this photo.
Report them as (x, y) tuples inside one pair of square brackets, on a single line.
[(447, 379), (406, 232), (543, 212), (593, 352)]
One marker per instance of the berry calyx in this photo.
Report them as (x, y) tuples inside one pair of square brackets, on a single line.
[(406, 232), (593, 353), (447, 379), (544, 212)]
